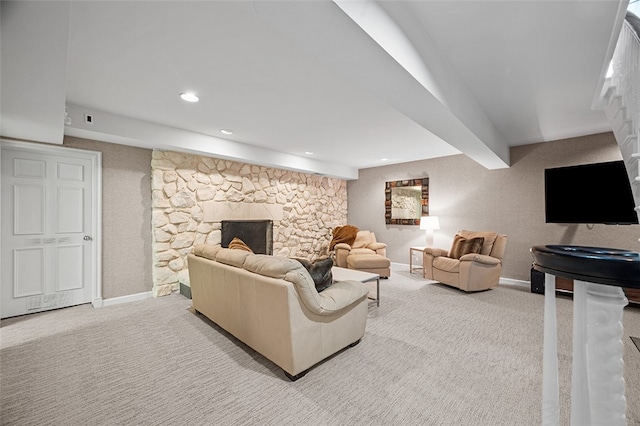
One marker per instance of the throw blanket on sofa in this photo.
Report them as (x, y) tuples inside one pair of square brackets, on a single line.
[(343, 234)]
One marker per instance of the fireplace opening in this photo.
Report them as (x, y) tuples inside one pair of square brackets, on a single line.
[(257, 234)]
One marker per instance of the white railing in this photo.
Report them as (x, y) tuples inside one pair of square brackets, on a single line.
[(626, 71), (624, 103)]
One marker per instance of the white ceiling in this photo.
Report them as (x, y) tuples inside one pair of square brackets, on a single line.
[(354, 82)]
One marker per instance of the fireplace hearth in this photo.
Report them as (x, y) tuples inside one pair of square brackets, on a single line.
[(257, 234)]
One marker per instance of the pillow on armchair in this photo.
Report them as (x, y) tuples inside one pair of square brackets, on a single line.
[(462, 246)]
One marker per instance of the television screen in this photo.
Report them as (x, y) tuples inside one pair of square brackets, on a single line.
[(589, 193)]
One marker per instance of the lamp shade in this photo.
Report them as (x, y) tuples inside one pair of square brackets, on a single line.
[(429, 223)]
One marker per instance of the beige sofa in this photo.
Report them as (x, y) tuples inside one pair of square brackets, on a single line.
[(271, 304), (472, 271)]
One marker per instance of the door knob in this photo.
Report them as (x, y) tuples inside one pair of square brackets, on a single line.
[(87, 238)]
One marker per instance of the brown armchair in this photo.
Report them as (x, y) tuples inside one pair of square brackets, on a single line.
[(474, 262)]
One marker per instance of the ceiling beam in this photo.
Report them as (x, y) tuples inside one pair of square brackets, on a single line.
[(379, 56), (33, 70), (116, 128)]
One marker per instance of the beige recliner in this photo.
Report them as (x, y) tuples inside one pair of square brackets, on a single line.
[(365, 254), (474, 262)]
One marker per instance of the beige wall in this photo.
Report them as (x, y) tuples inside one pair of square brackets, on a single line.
[(464, 195), (126, 217), (311, 206)]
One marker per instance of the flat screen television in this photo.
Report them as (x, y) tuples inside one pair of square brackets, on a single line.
[(589, 193)]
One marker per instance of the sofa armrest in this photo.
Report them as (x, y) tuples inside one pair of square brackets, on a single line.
[(435, 252), (376, 246), (428, 255), (478, 272), (343, 246), (339, 296), (480, 258), (341, 250)]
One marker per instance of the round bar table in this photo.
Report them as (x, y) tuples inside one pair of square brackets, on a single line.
[(597, 381)]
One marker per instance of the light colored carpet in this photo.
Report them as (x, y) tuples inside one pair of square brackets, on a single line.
[(431, 355)]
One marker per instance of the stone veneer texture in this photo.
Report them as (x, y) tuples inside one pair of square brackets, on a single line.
[(312, 206)]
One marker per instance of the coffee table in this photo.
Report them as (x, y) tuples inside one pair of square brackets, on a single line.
[(345, 274)]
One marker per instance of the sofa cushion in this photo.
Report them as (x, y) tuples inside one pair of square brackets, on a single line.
[(208, 251), (462, 246), (320, 271), (446, 264), (232, 257), (360, 251), (363, 239), (335, 298), (367, 261), (270, 266), (238, 244)]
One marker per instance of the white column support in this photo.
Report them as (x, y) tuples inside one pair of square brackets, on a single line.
[(605, 305), (550, 397), (580, 412), (597, 381)]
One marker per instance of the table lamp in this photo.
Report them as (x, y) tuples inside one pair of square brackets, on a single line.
[(429, 224)]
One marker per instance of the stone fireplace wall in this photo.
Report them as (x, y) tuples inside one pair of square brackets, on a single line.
[(184, 186)]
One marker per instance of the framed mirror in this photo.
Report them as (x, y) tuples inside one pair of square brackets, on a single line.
[(406, 201)]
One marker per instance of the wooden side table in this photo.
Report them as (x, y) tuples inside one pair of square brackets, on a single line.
[(411, 268)]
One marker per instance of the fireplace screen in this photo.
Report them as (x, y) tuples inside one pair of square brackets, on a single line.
[(257, 234)]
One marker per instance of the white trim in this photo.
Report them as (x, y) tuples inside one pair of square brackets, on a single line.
[(125, 299), (0, 211), (596, 102), (511, 281), (96, 233)]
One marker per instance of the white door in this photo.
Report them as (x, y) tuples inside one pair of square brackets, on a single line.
[(48, 222)]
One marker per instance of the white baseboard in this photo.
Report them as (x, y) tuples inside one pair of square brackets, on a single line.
[(515, 282), (126, 299)]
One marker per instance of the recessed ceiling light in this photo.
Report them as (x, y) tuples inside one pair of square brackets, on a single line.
[(226, 131), (309, 152), (384, 159), (189, 97)]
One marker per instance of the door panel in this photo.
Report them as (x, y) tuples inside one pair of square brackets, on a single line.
[(70, 268), (28, 273), (29, 202), (29, 168), (70, 215), (46, 262), (71, 172)]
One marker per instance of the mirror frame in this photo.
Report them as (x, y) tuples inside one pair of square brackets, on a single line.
[(423, 182)]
